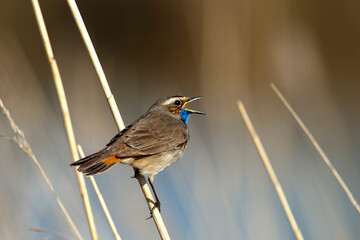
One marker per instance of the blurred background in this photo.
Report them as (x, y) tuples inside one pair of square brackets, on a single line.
[(222, 50)]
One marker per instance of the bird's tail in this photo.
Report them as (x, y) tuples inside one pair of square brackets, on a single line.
[(96, 163)]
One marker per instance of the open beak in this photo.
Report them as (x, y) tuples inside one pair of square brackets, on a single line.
[(192, 111)]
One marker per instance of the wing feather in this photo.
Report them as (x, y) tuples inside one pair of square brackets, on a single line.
[(152, 134)]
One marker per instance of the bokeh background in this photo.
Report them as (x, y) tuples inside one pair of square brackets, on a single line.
[(222, 50)]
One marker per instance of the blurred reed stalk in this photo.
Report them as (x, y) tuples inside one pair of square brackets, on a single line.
[(52, 233), (101, 200), (317, 147), (116, 113), (66, 116), (20, 140), (271, 172)]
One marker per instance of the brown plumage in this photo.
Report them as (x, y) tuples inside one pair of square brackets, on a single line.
[(153, 142)]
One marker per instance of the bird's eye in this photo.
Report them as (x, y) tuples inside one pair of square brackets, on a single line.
[(177, 102)]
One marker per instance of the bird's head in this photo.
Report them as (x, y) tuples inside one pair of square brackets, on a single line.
[(176, 106)]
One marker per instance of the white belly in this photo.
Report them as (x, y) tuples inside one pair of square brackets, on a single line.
[(152, 165)]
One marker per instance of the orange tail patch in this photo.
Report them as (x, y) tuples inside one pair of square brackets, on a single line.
[(111, 160)]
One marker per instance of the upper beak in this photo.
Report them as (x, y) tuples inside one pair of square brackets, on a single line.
[(192, 111)]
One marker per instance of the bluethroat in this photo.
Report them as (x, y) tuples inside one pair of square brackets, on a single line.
[(150, 144)]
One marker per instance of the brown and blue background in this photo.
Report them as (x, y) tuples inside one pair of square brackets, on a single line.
[(222, 50)]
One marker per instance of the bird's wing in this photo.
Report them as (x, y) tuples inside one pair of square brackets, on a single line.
[(152, 134)]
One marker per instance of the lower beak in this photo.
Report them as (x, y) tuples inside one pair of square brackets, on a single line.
[(193, 111)]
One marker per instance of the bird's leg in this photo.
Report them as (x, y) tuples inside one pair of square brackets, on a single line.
[(136, 173), (157, 203)]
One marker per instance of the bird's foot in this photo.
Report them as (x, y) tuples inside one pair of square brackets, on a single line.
[(156, 205)]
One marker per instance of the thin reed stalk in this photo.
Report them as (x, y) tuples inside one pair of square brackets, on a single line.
[(271, 173), (102, 201), (66, 115), (116, 113), (51, 233), (318, 148), (20, 140)]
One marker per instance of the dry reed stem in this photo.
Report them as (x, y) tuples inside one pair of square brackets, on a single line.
[(66, 115), (90, 47), (20, 140), (116, 113), (101, 200), (271, 172), (318, 148)]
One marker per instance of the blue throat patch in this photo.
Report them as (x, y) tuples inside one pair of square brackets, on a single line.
[(184, 115)]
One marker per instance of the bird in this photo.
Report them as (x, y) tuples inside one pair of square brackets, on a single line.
[(150, 144)]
